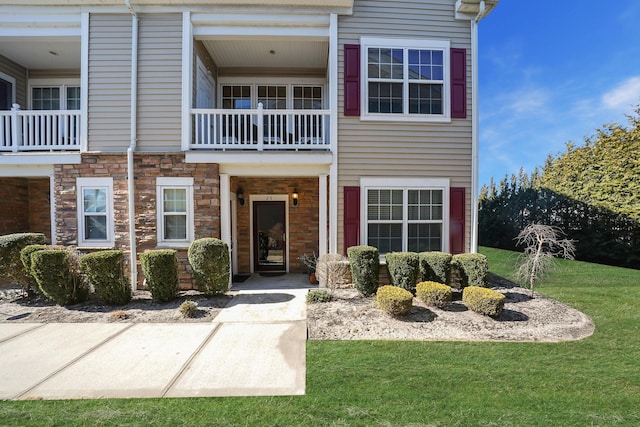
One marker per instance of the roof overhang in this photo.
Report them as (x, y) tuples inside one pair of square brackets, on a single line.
[(258, 3), (474, 9)]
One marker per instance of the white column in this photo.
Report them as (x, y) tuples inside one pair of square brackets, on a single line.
[(225, 215), (187, 84), (322, 215)]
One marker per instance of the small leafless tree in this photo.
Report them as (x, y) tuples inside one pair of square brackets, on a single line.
[(541, 244)]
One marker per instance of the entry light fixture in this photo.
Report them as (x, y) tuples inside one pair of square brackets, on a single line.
[(240, 196), (295, 197)]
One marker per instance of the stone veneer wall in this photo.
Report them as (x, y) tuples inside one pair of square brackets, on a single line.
[(148, 167), (303, 219), (26, 206)]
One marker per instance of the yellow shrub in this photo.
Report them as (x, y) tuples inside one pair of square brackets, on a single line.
[(434, 293), (394, 300), (483, 300)]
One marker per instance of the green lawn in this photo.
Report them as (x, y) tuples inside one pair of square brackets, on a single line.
[(595, 381)]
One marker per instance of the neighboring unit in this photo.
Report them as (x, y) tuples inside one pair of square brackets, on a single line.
[(282, 127)]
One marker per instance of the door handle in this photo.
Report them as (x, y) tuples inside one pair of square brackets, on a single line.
[(284, 237)]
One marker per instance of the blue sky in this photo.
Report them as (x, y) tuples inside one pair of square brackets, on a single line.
[(551, 72)]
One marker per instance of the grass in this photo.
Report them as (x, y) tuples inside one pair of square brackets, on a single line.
[(595, 381)]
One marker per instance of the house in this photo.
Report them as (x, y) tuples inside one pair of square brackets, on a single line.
[(281, 126)]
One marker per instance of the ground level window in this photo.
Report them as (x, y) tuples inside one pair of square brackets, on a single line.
[(405, 219), (95, 212), (175, 210)]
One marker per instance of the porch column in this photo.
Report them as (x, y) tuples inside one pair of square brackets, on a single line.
[(322, 214), (225, 216)]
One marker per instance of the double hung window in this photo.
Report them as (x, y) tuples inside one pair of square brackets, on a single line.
[(175, 211), (405, 79), (95, 212), (406, 217)]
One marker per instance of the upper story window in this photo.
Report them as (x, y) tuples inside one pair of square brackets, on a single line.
[(55, 95), (272, 96), (405, 79)]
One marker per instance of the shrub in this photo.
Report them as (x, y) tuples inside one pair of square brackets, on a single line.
[(188, 309), (433, 293), (209, 259), (483, 300), (319, 295), (11, 268), (365, 268), (473, 269), (394, 300), (25, 259), (403, 269), (105, 270), (58, 275), (160, 268), (435, 267)]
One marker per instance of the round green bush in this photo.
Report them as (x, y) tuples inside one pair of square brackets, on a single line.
[(394, 300), (25, 258), (105, 270), (58, 276), (11, 268), (483, 300), (160, 268), (365, 268), (434, 293), (209, 259), (403, 269), (472, 268), (435, 267)]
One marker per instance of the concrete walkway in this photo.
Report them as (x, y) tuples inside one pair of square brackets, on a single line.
[(254, 347)]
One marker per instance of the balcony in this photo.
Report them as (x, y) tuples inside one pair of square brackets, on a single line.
[(260, 129), (35, 130)]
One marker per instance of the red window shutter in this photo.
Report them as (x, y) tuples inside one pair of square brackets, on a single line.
[(351, 217), (351, 79), (457, 202), (458, 83)]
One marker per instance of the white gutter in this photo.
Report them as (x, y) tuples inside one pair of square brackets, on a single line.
[(475, 121), (132, 146)]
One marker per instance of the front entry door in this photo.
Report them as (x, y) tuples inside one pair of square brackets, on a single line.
[(5, 95), (269, 236)]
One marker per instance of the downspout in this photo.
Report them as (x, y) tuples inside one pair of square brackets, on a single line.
[(475, 121), (132, 146)]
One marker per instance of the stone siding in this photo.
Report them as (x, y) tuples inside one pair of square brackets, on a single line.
[(147, 167)]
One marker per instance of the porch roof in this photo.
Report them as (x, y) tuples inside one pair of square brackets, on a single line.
[(278, 3)]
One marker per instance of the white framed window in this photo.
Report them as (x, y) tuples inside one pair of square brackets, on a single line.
[(273, 93), (405, 79), (175, 211), (405, 214), (54, 94), (95, 212)]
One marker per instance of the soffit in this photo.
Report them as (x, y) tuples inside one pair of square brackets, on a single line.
[(258, 53)]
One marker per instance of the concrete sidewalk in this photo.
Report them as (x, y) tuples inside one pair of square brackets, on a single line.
[(255, 346)]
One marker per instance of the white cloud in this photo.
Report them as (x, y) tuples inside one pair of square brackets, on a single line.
[(624, 96)]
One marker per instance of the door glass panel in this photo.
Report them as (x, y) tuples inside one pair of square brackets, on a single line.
[(270, 239)]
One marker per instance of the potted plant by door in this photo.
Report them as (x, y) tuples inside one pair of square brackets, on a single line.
[(310, 262)]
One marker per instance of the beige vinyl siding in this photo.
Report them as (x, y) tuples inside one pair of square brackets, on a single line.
[(109, 82), (54, 74), (19, 73), (395, 148), (160, 82)]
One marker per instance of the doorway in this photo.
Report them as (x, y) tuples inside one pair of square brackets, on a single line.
[(6, 95), (269, 236)]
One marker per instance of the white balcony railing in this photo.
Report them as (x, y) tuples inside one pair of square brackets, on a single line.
[(260, 129), (35, 130)]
